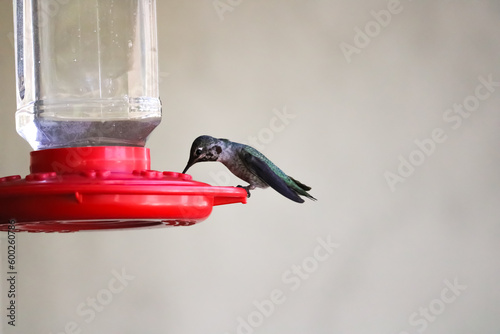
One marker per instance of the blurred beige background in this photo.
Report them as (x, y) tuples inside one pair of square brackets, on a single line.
[(421, 258)]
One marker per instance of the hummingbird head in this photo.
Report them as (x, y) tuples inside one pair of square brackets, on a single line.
[(204, 148)]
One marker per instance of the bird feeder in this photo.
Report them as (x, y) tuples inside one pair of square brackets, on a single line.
[(87, 100)]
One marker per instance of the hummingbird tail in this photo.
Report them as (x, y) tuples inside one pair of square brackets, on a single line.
[(302, 189), (301, 185)]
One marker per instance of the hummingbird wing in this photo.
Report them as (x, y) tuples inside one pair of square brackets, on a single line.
[(268, 172)]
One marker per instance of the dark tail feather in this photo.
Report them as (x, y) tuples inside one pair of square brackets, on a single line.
[(301, 185), (302, 189), (309, 196)]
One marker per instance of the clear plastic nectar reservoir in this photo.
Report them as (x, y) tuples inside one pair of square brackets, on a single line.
[(86, 72)]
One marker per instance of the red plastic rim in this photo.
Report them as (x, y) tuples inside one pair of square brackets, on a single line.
[(99, 188), (74, 159)]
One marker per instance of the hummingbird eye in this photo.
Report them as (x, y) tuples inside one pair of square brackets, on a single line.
[(198, 151)]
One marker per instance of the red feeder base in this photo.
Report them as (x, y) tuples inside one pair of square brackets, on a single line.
[(102, 188)]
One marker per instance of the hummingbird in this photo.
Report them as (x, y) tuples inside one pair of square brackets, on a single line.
[(248, 164)]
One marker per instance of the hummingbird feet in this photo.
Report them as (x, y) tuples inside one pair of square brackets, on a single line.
[(247, 188)]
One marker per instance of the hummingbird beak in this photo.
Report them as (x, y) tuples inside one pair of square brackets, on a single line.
[(189, 164)]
